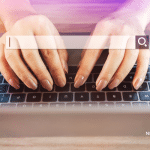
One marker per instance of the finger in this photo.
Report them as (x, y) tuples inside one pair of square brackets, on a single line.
[(89, 60), (6, 71), (34, 61), (62, 52), (91, 55), (142, 67), (13, 58), (113, 61), (63, 55), (52, 58), (125, 67), (127, 64)]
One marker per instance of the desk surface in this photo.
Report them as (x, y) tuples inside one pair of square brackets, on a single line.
[(72, 143)]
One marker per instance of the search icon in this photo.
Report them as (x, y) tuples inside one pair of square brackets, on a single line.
[(143, 41)]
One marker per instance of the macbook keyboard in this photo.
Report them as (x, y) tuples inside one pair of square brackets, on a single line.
[(84, 96)]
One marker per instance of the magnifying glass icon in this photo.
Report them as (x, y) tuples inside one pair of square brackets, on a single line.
[(142, 41)]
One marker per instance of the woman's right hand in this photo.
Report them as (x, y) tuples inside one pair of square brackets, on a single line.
[(12, 64)]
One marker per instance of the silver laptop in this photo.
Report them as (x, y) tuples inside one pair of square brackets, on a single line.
[(67, 111)]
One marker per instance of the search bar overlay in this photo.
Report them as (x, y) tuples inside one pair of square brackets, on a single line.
[(77, 42)]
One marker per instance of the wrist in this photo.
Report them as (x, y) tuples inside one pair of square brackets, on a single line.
[(137, 19)]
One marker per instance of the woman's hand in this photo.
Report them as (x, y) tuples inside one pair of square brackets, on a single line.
[(13, 62), (119, 62)]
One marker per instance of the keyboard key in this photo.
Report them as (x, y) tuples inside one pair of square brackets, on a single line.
[(65, 97), (147, 78), (98, 96), (114, 96), (81, 96), (1, 79), (107, 89), (81, 88), (40, 105), (143, 87), (90, 104), (72, 69), (129, 77), (89, 79), (125, 87), (90, 87), (123, 104), (8, 105), (17, 98), (97, 69), (31, 90), (4, 98), (45, 90), (49, 97), (70, 77), (130, 96), (13, 90), (34, 97), (144, 96), (65, 88), (106, 104), (76, 104), (139, 104), (25, 105), (3, 88), (57, 105), (95, 77)]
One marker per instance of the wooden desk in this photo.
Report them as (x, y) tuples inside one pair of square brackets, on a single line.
[(73, 143)]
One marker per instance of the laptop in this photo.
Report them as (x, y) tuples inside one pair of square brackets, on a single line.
[(68, 111)]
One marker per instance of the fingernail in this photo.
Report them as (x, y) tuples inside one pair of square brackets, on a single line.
[(101, 85), (60, 82), (46, 84), (138, 83), (79, 81), (31, 84), (14, 83), (114, 83)]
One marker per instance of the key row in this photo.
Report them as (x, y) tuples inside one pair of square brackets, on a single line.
[(77, 104), (124, 86), (66, 97)]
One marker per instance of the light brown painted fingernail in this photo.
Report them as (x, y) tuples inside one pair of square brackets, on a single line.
[(14, 83), (79, 81), (114, 83), (60, 82), (46, 84), (101, 85), (138, 83), (31, 84)]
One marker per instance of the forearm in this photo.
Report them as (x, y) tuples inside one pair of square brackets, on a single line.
[(13, 10)]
